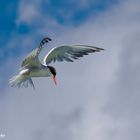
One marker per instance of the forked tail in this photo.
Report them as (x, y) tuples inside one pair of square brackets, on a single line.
[(21, 81)]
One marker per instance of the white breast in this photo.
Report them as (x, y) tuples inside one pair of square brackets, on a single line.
[(40, 73)]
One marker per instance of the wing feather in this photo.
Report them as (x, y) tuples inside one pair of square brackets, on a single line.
[(69, 53), (31, 59)]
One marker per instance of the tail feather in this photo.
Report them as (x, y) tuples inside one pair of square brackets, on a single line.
[(21, 81)]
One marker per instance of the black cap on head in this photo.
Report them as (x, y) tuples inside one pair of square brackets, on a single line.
[(52, 69)]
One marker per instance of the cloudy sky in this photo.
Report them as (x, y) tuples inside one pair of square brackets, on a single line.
[(97, 97)]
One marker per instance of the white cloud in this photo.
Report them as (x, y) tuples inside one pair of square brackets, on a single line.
[(28, 11), (32, 12), (28, 14), (91, 100)]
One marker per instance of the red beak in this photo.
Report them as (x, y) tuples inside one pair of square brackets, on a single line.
[(54, 79)]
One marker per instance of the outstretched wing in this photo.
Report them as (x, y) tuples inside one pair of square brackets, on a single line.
[(32, 58), (69, 53)]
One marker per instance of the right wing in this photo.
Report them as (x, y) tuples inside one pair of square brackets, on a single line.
[(32, 58), (69, 53)]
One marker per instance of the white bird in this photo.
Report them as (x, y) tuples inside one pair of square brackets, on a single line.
[(32, 67)]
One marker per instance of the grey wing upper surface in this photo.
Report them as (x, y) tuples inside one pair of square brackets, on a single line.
[(31, 59), (69, 53)]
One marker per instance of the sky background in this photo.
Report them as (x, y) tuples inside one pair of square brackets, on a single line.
[(97, 97)]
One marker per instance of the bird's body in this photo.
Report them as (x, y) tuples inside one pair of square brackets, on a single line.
[(32, 67), (42, 71)]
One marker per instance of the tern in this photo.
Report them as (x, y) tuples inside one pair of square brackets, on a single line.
[(32, 67)]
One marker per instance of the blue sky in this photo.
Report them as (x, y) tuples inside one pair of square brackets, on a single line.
[(64, 13), (96, 97)]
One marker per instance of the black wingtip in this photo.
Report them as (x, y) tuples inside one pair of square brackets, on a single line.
[(100, 49), (47, 39)]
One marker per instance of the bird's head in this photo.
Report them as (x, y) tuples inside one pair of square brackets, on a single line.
[(53, 73)]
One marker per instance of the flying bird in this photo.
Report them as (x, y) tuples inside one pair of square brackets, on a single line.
[(32, 67)]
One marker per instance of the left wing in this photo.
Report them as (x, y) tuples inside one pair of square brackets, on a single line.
[(69, 53), (32, 58)]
